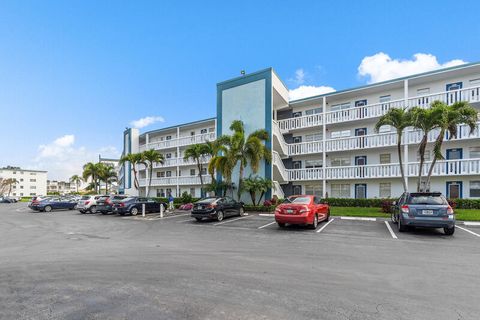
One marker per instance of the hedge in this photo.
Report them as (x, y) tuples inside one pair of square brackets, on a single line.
[(347, 202), (250, 208)]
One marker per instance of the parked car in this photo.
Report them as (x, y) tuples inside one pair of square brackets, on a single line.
[(217, 208), (88, 203), (6, 200), (423, 209), (186, 207), (105, 203), (133, 205), (302, 209), (50, 204)]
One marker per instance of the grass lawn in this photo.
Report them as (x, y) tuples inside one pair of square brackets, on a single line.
[(461, 214)]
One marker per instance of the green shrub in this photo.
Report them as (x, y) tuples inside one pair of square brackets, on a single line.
[(250, 208), (347, 202), (466, 203)]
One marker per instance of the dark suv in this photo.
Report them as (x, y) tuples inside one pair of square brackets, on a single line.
[(105, 203), (134, 205), (423, 209)]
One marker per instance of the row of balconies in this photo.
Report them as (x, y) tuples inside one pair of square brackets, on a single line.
[(173, 181), (378, 109), (391, 170), (179, 142)]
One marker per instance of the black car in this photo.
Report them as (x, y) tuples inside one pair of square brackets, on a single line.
[(6, 200), (105, 203), (423, 209), (217, 208), (133, 205)]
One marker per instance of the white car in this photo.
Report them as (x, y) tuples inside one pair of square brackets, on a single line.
[(88, 204)]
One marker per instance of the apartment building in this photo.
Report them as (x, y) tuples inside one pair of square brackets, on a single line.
[(29, 182), (326, 144), (61, 187)]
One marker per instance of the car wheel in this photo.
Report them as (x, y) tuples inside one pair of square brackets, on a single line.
[(47, 209), (93, 209), (134, 211), (76, 207), (241, 212), (220, 215), (393, 217), (281, 225), (401, 227), (198, 219), (449, 231), (314, 224)]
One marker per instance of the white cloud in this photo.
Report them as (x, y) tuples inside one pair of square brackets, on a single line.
[(308, 91), (146, 121), (62, 159), (300, 76), (381, 66)]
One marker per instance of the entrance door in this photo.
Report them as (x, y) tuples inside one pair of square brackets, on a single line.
[(454, 166), (361, 112), (454, 189), (360, 162), (361, 141), (454, 96), (360, 191)]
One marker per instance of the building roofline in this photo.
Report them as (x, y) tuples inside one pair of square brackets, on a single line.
[(245, 76), (376, 84), (21, 169), (178, 125)]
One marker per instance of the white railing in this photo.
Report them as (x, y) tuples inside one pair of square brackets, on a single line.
[(172, 181), (467, 94), (277, 133), (172, 162), (300, 122), (364, 112), (277, 161), (391, 170), (178, 142), (277, 190), (305, 148), (362, 142)]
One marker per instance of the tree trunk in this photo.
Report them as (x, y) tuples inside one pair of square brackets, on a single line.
[(199, 165), (400, 162), (421, 150), (261, 196), (438, 141), (253, 196), (150, 173), (240, 181)]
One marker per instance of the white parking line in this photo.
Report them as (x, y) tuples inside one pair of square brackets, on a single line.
[(268, 224), (174, 216), (470, 223), (469, 231), (358, 218), (320, 230), (191, 219), (394, 236), (227, 221), (266, 214)]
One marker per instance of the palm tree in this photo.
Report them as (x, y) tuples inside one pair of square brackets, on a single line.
[(458, 113), (149, 158), (425, 120), (197, 152), (108, 175), (133, 159), (213, 148), (241, 149), (9, 183), (92, 171), (399, 119), (77, 180), (256, 184)]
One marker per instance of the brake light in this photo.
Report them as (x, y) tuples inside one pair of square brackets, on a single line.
[(107, 201), (304, 209), (87, 202), (211, 206), (449, 210), (121, 204), (405, 209)]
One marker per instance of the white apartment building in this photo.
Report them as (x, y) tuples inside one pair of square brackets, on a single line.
[(326, 144), (29, 182), (62, 187)]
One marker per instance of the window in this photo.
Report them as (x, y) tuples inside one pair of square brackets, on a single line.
[(168, 156), (385, 98), (168, 173), (169, 192), (340, 134), (423, 91), (33, 187), (475, 82), (21, 172), (385, 158), (211, 129), (297, 114), (21, 187), (192, 172), (203, 131), (33, 180), (192, 192), (297, 139), (474, 152), (21, 180), (204, 171), (160, 174), (33, 194), (475, 188), (427, 155), (168, 138), (14, 187), (340, 190), (313, 164), (297, 165), (313, 137), (297, 189), (340, 162), (160, 193), (313, 111), (192, 133), (33, 174), (14, 172), (385, 190), (314, 190), (385, 128), (341, 106)]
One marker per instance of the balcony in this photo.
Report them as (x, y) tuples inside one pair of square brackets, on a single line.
[(172, 181), (179, 142), (391, 170), (471, 95), (173, 162)]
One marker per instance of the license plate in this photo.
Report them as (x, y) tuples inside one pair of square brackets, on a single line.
[(429, 212), (289, 211)]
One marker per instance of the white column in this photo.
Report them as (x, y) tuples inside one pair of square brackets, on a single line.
[(177, 167), (324, 154), (405, 143), (147, 140)]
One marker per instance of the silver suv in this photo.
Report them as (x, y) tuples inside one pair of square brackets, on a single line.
[(88, 203)]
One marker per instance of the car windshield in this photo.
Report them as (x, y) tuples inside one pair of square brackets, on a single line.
[(118, 197), (85, 197), (207, 200), (128, 199), (431, 199), (104, 198), (301, 200)]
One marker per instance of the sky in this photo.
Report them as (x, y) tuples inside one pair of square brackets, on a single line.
[(74, 74)]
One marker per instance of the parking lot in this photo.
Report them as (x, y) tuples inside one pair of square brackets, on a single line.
[(67, 265)]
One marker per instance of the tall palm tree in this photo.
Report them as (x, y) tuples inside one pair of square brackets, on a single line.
[(134, 159), (426, 120), (398, 119), (149, 158), (92, 171), (213, 148), (243, 150), (9, 183), (458, 113), (108, 175), (77, 180), (197, 152)]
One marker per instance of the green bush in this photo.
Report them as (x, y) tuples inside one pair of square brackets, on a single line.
[(466, 203), (347, 202), (250, 208)]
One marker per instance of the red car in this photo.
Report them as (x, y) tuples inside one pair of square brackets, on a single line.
[(302, 209)]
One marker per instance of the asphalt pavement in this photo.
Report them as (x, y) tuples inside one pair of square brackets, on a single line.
[(67, 265)]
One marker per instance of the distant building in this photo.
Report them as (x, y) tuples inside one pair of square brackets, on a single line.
[(29, 182), (62, 187)]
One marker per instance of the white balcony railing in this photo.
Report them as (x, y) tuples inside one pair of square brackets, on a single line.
[(305, 148), (277, 162), (300, 122), (391, 170), (173, 162), (471, 95), (277, 134), (172, 181), (364, 112), (178, 142)]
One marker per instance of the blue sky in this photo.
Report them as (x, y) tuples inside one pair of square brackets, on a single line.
[(74, 74)]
